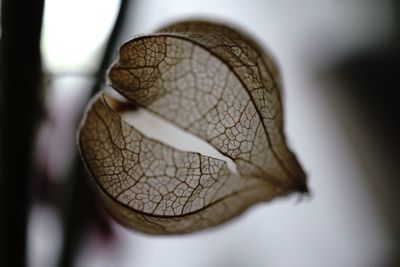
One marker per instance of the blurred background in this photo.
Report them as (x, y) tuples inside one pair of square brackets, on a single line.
[(339, 64)]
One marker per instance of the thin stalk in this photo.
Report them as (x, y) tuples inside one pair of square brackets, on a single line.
[(76, 194), (112, 42)]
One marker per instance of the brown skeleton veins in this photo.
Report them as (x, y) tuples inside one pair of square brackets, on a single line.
[(215, 83)]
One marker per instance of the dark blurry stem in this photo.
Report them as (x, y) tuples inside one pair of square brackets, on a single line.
[(20, 92), (76, 192)]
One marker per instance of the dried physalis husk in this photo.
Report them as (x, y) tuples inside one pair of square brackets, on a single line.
[(215, 83)]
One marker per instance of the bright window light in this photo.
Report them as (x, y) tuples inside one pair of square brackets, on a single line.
[(74, 32)]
